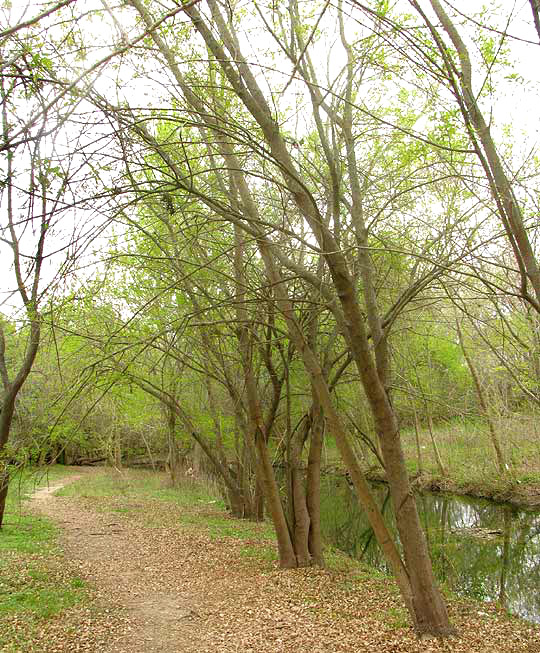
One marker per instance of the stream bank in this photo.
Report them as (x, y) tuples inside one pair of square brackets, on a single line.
[(519, 493), (503, 491), (183, 575), (482, 549)]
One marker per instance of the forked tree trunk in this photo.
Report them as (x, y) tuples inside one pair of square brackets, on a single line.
[(256, 426), (427, 607), (320, 386)]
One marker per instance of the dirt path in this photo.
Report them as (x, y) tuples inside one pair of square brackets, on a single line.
[(128, 570), (173, 589)]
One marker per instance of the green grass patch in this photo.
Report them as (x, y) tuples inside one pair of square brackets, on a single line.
[(27, 534), (467, 451), (22, 532), (35, 592), (260, 553), (98, 486), (34, 586), (132, 484), (395, 618), (220, 526), (25, 481)]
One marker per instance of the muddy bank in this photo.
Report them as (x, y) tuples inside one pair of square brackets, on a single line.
[(523, 495)]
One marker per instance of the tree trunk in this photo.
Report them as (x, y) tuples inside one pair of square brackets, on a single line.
[(287, 556), (313, 483), (251, 499), (117, 443), (535, 6), (4, 486), (320, 386), (417, 439), (174, 454), (508, 207), (435, 447), (258, 500), (256, 426), (300, 513), (429, 609)]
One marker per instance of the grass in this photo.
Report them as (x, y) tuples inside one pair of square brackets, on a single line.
[(34, 584), (23, 532), (468, 456), (32, 595), (395, 618), (26, 534), (144, 484), (202, 506), (467, 451), (262, 554)]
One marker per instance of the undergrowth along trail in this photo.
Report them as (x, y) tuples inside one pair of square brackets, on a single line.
[(168, 570)]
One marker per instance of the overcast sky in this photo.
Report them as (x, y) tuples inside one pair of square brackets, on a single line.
[(515, 102)]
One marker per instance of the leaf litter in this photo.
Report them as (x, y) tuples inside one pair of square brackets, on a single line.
[(159, 582)]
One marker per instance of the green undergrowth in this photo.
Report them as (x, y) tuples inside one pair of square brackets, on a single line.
[(221, 525), (23, 532), (27, 534), (133, 484), (35, 585), (193, 503), (25, 481), (468, 458), (32, 593)]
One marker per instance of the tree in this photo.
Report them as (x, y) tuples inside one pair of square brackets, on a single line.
[(535, 8), (42, 167), (458, 76), (342, 294)]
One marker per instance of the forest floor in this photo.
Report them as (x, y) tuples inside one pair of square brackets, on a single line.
[(169, 571)]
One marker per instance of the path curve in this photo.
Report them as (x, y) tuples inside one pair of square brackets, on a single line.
[(113, 557), (172, 588)]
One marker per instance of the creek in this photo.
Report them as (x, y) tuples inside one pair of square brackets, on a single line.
[(481, 549)]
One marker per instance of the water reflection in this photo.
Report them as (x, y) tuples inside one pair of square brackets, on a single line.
[(479, 548)]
